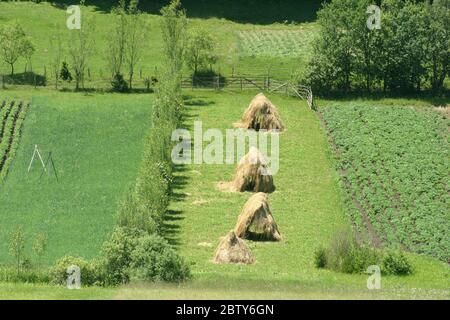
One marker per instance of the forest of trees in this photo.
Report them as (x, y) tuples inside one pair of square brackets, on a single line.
[(408, 52)]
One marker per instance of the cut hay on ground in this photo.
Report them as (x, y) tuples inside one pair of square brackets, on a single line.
[(252, 174), (256, 221), (233, 250), (261, 114)]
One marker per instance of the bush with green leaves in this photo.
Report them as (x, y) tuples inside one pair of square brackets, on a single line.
[(10, 275), (119, 84), (134, 254), (90, 271), (345, 254), (320, 258), (116, 255), (65, 74), (396, 263), (153, 259)]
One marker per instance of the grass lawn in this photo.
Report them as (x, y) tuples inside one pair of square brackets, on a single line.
[(13, 291), (96, 141)]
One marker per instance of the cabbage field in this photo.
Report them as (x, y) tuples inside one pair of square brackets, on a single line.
[(394, 164)]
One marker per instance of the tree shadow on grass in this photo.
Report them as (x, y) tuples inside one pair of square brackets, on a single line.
[(261, 12), (170, 226), (26, 78), (181, 178)]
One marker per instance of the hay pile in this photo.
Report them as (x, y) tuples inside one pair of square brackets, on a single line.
[(233, 250), (256, 220), (261, 114), (251, 174)]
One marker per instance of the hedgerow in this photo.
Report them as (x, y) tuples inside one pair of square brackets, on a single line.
[(137, 247)]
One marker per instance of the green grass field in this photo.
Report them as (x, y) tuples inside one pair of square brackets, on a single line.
[(307, 205), (224, 26), (96, 142)]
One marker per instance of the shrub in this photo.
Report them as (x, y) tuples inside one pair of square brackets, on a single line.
[(119, 84), (154, 259), (396, 263), (116, 255), (24, 276), (320, 258), (131, 215), (132, 253), (65, 73), (26, 78), (359, 258), (91, 273), (345, 254)]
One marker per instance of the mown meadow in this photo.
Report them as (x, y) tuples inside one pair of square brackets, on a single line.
[(379, 165)]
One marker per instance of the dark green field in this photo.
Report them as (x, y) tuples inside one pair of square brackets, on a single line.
[(96, 143)]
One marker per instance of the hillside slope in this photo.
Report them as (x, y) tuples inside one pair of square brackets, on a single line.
[(96, 144)]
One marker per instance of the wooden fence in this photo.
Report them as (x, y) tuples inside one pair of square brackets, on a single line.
[(265, 84)]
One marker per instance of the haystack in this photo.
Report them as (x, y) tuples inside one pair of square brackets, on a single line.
[(261, 114), (233, 250), (256, 221), (252, 174)]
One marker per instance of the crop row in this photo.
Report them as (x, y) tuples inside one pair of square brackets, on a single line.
[(272, 42), (394, 162), (12, 115)]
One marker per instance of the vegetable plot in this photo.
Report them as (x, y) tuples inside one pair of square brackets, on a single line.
[(274, 43), (12, 114), (394, 164)]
